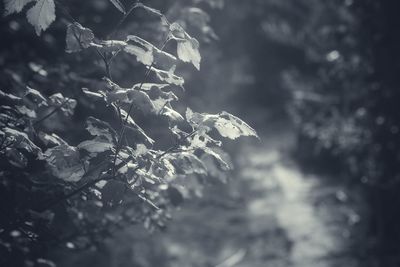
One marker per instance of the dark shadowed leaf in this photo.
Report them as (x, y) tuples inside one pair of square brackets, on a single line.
[(78, 38), (64, 163)]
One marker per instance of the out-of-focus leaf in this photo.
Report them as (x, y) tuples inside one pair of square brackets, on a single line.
[(64, 163), (15, 6), (67, 104), (91, 94), (16, 158), (21, 140), (78, 37), (10, 98), (175, 195), (112, 193), (51, 140), (187, 46), (26, 111), (118, 5), (41, 15), (36, 96), (96, 145)]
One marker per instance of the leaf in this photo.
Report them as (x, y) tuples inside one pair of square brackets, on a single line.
[(51, 140), (171, 114), (131, 125), (96, 145), (149, 9), (67, 104), (232, 127), (187, 47), (168, 76), (36, 96), (158, 56), (41, 15), (14, 6), (21, 140), (143, 55), (225, 123), (64, 163), (101, 129), (187, 163), (118, 5), (141, 100), (78, 37)]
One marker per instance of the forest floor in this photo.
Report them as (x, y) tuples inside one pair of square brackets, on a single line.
[(269, 214)]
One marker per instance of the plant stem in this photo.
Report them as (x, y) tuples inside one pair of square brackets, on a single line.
[(123, 128)]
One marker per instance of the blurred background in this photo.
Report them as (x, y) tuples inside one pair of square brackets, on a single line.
[(318, 80)]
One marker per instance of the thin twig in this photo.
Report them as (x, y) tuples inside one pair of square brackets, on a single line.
[(52, 112), (123, 128)]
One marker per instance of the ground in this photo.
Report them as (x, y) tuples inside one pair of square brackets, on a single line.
[(269, 214)]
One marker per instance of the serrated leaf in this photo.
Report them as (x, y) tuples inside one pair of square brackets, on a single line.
[(14, 6), (232, 127), (41, 15), (78, 37), (187, 46), (225, 123), (64, 163), (118, 5)]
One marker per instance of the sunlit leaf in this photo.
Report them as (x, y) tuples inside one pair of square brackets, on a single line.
[(51, 140), (96, 145), (41, 15), (187, 46), (15, 6), (36, 96)]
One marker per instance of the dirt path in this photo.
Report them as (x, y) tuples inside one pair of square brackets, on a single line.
[(314, 216)]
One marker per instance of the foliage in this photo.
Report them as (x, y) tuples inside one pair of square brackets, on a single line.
[(72, 181)]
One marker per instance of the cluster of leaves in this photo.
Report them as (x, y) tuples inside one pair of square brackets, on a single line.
[(118, 174)]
